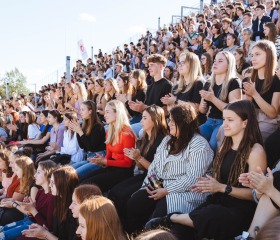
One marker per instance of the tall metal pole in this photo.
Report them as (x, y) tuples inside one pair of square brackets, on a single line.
[(92, 53), (148, 45), (36, 103), (201, 5), (159, 23), (68, 69), (7, 88)]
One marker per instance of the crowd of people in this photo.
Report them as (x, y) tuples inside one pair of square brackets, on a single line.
[(173, 137)]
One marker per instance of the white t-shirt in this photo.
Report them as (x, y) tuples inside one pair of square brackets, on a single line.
[(33, 130)]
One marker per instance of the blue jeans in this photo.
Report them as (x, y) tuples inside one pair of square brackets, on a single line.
[(135, 119), (210, 129), (85, 168), (13, 230), (137, 129)]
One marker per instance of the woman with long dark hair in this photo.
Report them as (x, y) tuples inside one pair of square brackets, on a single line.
[(271, 34), (229, 209), (17, 127), (263, 88), (99, 98), (90, 88), (206, 65), (125, 87), (139, 86), (33, 127), (241, 63), (90, 136), (179, 160)]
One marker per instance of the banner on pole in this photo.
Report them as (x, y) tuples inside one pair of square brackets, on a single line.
[(82, 50)]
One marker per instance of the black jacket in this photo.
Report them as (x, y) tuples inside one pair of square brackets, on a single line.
[(255, 25)]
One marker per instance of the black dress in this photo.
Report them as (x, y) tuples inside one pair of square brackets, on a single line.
[(222, 216)]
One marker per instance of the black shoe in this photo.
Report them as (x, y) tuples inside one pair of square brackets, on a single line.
[(160, 221)]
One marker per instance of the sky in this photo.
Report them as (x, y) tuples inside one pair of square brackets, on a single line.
[(37, 35)]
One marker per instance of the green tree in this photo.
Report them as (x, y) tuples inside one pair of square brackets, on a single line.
[(16, 83)]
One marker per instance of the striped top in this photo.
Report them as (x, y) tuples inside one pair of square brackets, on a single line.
[(180, 172)]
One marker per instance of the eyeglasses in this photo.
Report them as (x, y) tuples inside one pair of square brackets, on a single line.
[(203, 59)]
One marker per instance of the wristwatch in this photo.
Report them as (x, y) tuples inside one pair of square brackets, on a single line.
[(228, 190)]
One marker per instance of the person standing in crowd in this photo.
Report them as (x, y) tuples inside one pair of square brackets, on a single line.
[(99, 98), (258, 22), (158, 89)]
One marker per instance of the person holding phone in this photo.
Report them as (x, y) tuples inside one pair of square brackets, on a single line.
[(179, 160)]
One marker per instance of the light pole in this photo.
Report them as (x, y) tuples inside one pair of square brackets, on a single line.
[(7, 87), (68, 69)]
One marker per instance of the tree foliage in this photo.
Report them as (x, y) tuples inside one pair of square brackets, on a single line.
[(17, 83)]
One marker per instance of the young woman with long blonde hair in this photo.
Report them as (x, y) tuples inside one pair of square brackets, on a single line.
[(118, 137), (224, 88)]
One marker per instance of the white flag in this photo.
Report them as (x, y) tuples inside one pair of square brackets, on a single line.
[(82, 49)]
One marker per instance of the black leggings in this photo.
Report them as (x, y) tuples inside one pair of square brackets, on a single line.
[(106, 178), (140, 208), (120, 193), (10, 215)]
